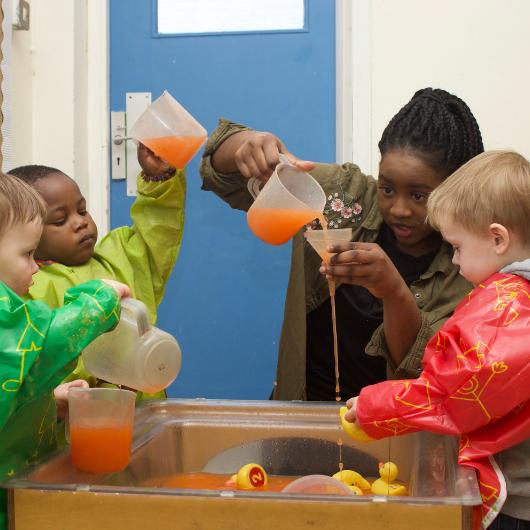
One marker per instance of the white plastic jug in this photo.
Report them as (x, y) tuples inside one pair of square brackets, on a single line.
[(169, 130), (290, 199), (134, 354)]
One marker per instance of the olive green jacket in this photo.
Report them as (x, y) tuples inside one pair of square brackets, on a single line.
[(351, 202)]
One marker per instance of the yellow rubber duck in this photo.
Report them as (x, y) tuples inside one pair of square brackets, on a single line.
[(355, 481), (249, 477), (386, 485), (354, 430)]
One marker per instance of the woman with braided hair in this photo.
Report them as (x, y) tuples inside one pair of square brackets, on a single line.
[(397, 282)]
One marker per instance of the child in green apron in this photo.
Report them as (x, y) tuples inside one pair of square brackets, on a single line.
[(38, 345), (141, 256)]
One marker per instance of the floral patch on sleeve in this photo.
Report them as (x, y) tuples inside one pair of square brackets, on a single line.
[(341, 210)]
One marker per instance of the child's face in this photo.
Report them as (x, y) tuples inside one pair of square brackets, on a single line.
[(17, 247), (70, 233), (404, 184), (473, 253)]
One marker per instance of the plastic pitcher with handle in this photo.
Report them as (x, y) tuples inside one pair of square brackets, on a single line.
[(135, 354), (290, 199)]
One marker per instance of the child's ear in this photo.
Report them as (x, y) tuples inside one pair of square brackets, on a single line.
[(500, 236)]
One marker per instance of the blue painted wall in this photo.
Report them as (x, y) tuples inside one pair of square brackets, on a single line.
[(224, 302)]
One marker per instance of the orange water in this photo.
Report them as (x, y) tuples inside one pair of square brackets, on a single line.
[(177, 150), (101, 449), (277, 225), (331, 284), (211, 481)]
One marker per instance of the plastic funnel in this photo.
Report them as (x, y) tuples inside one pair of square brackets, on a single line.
[(290, 199), (135, 354), (101, 422), (169, 130), (317, 485), (321, 239)]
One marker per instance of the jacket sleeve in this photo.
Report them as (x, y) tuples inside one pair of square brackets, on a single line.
[(437, 293), (476, 371), (143, 255), (38, 345), (231, 188), (89, 309)]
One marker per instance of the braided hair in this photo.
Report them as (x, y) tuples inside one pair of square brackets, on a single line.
[(437, 126), (30, 174)]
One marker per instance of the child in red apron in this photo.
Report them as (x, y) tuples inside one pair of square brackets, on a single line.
[(476, 370)]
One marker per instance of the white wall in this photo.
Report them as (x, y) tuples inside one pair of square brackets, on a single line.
[(476, 49), (42, 87), (59, 95)]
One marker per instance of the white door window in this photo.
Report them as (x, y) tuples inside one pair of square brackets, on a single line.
[(213, 16)]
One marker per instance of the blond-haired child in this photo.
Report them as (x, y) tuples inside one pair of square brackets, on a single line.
[(38, 345), (476, 371)]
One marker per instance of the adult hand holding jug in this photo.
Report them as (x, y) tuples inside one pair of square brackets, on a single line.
[(290, 199)]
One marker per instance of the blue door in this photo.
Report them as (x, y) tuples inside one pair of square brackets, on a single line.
[(225, 299)]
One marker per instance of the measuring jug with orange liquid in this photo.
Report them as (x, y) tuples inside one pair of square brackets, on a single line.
[(169, 130), (290, 199), (101, 423)]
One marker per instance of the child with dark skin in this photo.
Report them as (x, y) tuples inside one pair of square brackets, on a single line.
[(397, 282), (70, 233), (141, 256)]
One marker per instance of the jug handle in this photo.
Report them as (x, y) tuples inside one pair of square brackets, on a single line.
[(138, 310), (285, 160)]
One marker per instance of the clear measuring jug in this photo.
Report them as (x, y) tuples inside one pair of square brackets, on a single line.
[(101, 424), (134, 354), (169, 130), (290, 199)]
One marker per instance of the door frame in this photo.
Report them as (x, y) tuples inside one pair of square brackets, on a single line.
[(92, 27), (353, 83)]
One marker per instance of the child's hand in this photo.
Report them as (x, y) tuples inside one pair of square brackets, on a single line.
[(151, 164), (351, 415), (60, 394), (120, 288)]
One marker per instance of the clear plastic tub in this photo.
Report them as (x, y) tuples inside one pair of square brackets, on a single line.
[(317, 485), (288, 439)]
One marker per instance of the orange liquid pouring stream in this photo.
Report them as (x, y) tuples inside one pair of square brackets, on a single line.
[(276, 226), (331, 283)]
